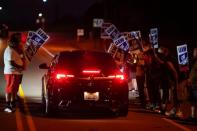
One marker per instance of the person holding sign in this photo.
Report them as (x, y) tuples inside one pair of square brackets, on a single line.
[(14, 64), (192, 82), (169, 81), (153, 79)]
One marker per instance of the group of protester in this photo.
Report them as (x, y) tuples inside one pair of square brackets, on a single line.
[(158, 78), (14, 64), (156, 73)]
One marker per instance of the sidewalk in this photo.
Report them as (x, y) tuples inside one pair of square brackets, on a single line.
[(185, 108)]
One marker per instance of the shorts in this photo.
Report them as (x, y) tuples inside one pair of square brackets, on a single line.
[(12, 83)]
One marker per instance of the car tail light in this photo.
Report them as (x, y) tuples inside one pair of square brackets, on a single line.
[(93, 72), (63, 76), (117, 76)]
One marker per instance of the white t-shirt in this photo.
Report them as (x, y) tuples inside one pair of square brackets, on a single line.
[(11, 55)]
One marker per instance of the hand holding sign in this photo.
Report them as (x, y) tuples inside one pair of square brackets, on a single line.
[(182, 54), (183, 58), (153, 37), (122, 43), (34, 41), (136, 35)]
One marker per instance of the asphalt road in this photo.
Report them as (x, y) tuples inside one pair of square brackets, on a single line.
[(29, 117)]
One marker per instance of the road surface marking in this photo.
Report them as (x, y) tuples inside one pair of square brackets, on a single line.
[(177, 125), (19, 122), (30, 122)]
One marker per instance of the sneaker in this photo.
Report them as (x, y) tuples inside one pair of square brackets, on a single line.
[(8, 110), (158, 111), (150, 106), (13, 106), (172, 112), (179, 114), (156, 107)]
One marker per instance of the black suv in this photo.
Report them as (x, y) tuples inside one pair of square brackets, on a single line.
[(84, 79)]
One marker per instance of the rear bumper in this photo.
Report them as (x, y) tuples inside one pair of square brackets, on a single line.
[(112, 105), (74, 97)]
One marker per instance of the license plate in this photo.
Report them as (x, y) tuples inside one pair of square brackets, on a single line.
[(91, 96)]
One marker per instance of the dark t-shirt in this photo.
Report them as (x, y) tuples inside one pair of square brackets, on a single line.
[(167, 72), (193, 75)]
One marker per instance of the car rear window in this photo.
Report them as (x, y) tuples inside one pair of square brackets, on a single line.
[(84, 59)]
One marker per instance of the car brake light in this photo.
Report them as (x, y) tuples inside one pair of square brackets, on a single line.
[(117, 76), (59, 76), (120, 76), (91, 71)]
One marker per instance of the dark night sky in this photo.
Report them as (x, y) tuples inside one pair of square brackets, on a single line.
[(169, 14), (25, 11), (176, 20)]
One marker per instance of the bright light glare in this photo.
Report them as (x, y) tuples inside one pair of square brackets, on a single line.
[(44, 0), (120, 76), (59, 76), (40, 14), (117, 76), (91, 71), (1, 8)]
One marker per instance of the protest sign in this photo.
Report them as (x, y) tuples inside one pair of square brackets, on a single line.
[(117, 53), (104, 35), (80, 32), (183, 58), (153, 37), (122, 43), (34, 41), (182, 54), (42, 34), (97, 23), (131, 35), (136, 35), (113, 32), (136, 42)]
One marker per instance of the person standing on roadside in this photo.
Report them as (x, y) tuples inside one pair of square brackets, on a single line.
[(14, 64), (140, 78), (169, 81), (153, 76), (192, 81)]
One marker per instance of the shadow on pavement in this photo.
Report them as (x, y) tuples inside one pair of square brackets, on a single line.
[(35, 108)]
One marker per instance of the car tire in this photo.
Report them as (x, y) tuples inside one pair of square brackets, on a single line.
[(43, 103), (123, 110), (48, 108), (43, 99), (120, 108), (123, 107)]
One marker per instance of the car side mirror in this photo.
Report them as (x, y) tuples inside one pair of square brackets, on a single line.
[(43, 66)]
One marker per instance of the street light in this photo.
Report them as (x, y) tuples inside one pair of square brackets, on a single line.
[(40, 21), (1, 8), (40, 14), (44, 1)]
